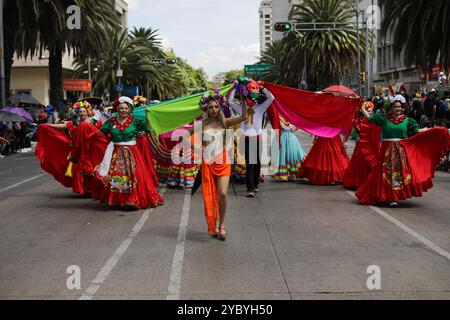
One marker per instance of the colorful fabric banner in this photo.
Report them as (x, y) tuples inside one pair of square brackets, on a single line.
[(170, 115), (320, 114)]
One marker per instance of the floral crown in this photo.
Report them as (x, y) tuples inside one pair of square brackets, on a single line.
[(139, 99), (86, 105), (212, 95)]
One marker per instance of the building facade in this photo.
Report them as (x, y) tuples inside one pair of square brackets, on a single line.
[(265, 24), (31, 75)]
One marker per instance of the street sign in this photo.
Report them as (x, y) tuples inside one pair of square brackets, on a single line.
[(119, 87), (256, 69)]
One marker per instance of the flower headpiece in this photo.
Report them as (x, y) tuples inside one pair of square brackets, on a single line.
[(123, 99), (210, 95), (86, 105), (138, 100), (369, 105)]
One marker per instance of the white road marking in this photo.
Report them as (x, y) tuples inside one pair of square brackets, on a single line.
[(112, 262), (22, 182), (411, 232), (178, 257)]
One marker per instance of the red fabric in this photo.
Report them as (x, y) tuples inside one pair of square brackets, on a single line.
[(89, 146), (318, 109), (423, 153), (340, 90), (52, 150), (364, 156), (274, 118), (144, 195), (326, 162), (143, 144)]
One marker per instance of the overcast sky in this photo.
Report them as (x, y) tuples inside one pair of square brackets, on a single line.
[(217, 35)]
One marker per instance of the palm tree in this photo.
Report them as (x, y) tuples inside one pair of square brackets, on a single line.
[(276, 55), (420, 29), (136, 58), (329, 54), (42, 26)]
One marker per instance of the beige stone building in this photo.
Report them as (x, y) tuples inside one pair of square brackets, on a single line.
[(32, 75)]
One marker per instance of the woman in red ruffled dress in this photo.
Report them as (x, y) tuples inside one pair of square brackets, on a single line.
[(126, 171), (326, 162), (366, 151), (407, 160), (56, 145)]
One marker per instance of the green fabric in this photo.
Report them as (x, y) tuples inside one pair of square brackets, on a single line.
[(407, 128), (129, 134), (170, 115)]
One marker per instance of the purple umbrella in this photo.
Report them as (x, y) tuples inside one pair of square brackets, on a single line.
[(20, 111)]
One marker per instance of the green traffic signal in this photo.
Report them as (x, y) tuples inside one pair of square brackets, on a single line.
[(171, 61), (283, 26)]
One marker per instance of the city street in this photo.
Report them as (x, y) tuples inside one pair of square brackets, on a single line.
[(293, 241)]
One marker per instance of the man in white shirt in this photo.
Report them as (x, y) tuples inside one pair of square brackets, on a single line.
[(252, 127)]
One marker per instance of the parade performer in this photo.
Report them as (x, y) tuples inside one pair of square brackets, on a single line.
[(291, 153), (366, 151), (249, 92), (56, 145), (126, 170), (326, 162), (407, 160), (215, 167)]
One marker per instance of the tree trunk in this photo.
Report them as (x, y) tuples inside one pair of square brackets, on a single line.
[(55, 70)]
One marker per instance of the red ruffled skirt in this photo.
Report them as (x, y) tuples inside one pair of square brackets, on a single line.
[(131, 179), (364, 156), (326, 162), (52, 151), (405, 168)]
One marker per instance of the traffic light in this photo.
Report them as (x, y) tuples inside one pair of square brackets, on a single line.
[(171, 61), (362, 77), (283, 26)]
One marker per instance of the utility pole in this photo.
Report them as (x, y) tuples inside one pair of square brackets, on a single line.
[(358, 47), (368, 75)]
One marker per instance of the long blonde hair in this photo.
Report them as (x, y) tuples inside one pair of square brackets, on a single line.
[(221, 116)]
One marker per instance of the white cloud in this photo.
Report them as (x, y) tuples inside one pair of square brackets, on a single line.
[(222, 59), (166, 44)]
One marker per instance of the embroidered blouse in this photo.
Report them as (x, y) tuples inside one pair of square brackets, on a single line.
[(401, 128), (123, 132)]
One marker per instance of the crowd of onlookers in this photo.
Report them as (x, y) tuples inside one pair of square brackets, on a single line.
[(16, 137)]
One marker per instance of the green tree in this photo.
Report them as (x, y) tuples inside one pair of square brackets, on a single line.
[(137, 60), (232, 75), (329, 54), (42, 25), (421, 31)]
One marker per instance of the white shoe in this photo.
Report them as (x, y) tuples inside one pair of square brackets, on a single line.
[(393, 204)]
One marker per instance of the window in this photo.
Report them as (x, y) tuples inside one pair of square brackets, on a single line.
[(267, 38), (267, 16), (267, 33), (267, 27), (267, 21)]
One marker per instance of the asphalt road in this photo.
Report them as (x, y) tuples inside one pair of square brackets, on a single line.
[(293, 241)]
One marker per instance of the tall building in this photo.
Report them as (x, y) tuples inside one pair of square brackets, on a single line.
[(265, 24), (31, 75), (390, 68)]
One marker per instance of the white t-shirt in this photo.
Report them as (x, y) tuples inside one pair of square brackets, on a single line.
[(254, 129)]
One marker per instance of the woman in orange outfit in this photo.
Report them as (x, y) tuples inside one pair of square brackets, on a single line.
[(216, 166)]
